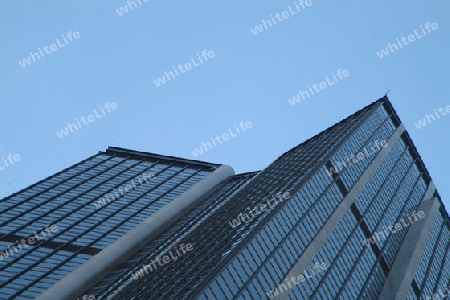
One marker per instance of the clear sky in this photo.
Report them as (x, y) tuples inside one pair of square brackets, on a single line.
[(248, 77)]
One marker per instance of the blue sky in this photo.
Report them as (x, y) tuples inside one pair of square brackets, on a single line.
[(250, 78)]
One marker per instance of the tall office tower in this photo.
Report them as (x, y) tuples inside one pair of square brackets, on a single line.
[(351, 213)]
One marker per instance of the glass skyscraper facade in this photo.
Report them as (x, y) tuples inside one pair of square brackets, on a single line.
[(67, 200), (351, 213)]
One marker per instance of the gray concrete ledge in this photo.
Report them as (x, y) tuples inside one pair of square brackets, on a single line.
[(401, 275), (319, 240), (88, 274)]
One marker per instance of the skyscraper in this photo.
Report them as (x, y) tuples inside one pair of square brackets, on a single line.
[(351, 213)]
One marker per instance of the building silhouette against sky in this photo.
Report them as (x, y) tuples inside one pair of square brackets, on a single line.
[(351, 213)]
